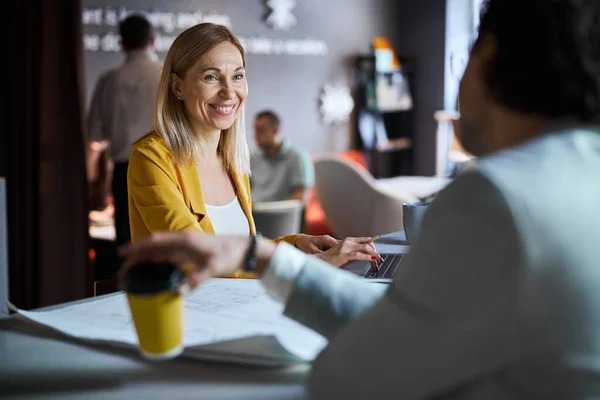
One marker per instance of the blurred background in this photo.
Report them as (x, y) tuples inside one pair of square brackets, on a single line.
[(361, 79)]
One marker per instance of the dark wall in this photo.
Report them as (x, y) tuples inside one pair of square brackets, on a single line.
[(45, 167), (289, 84), (421, 37)]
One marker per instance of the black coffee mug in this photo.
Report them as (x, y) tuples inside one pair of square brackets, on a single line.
[(412, 217)]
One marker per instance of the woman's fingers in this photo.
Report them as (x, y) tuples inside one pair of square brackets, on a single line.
[(328, 242), (360, 251), (359, 246), (367, 248), (359, 255), (364, 239)]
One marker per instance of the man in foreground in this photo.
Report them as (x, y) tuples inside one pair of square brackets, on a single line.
[(500, 296)]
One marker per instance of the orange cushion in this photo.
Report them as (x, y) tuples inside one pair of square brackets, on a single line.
[(314, 217), (353, 155)]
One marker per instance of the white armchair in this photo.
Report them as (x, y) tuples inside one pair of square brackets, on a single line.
[(353, 202)]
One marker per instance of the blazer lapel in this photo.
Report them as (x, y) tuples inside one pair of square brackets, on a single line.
[(197, 203), (242, 187)]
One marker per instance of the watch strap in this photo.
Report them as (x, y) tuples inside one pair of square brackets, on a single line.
[(251, 259)]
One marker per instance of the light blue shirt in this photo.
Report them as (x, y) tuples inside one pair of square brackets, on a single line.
[(276, 178)]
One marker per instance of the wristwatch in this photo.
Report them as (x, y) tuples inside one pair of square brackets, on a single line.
[(251, 260)]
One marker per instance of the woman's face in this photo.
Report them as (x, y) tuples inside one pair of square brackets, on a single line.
[(214, 89)]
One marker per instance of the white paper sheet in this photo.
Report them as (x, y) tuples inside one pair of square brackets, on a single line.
[(224, 319)]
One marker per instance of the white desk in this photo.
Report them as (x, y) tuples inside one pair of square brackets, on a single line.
[(36, 363), (420, 186)]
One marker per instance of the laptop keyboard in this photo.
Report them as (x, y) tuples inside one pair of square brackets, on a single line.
[(387, 269)]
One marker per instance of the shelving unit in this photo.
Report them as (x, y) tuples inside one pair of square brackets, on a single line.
[(385, 137)]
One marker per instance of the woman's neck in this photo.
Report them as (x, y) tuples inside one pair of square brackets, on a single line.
[(209, 145)]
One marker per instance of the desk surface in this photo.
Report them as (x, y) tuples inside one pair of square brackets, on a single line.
[(420, 186), (36, 363), (392, 243)]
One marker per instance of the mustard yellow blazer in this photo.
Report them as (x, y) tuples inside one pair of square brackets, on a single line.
[(165, 196)]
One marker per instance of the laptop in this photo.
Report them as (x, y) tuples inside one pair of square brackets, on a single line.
[(392, 259), (387, 269)]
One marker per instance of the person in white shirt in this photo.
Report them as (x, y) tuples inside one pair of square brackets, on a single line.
[(499, 298)]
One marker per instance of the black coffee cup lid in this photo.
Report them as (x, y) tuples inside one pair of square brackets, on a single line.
[(151, 278)]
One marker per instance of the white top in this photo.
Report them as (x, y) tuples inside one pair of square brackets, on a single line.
[(229, 219)]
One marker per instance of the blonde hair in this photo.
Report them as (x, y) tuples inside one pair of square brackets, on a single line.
[(170, 119)]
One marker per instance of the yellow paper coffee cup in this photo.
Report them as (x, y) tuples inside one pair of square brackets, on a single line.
[(156, 309)]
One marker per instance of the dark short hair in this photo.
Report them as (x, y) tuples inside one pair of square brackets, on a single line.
[(136, 32), (548, 56), (270, 116)]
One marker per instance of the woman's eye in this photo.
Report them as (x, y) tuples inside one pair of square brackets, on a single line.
[(210, 78), (238, 77)]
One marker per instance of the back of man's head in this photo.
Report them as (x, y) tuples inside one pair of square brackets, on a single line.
[(269, 116), (136, 32), (547, 56)]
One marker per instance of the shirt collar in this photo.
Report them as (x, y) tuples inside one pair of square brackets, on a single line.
[(285, 147), (141, 54)]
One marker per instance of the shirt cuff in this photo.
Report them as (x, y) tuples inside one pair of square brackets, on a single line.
[(282, 270)]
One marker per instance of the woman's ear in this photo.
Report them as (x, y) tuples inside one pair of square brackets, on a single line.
[(175, 85)]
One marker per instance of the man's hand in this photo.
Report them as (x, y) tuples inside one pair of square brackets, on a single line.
[(200, 256), (315, 244), (99, 146), (95, 148)]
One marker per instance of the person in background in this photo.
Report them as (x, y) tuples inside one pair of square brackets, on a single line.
[(121, 111), (280, 170), (499, 298), (192, 171)]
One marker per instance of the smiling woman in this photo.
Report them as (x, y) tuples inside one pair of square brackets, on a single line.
[(214, 89), (204, 68), (191, 172), (197, 154)]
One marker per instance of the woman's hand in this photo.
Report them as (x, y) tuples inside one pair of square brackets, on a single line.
[(201, 256), (350, 249), (315, 244)]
